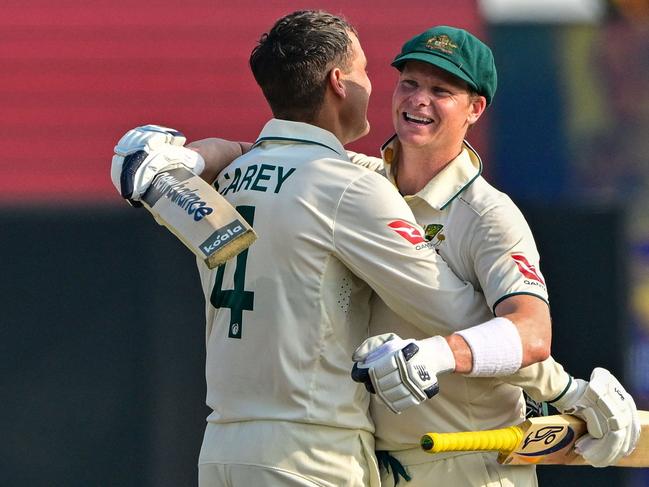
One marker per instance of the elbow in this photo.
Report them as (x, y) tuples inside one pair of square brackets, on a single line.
[(537, 351), (543, 351)]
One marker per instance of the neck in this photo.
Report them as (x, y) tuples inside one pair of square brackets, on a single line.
[(333, 116), (418, 165), (327, 120)]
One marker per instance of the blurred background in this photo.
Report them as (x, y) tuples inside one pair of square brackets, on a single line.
[(101, 312)]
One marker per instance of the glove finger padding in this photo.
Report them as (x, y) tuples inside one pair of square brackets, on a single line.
[(614, 407), (143, 152), (371, 349), (165, 157), (611, 418), (388, 380), (148, 137), (380, 377), (403, 372), (620, 409), (601, 452), (362, 376)]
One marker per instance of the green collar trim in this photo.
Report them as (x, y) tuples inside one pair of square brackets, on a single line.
[(473, 156), (291, 139), (388, 142), (470, 181)]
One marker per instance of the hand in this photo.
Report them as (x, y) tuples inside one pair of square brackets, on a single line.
[(610, 414), (403, 373), (143, 152)]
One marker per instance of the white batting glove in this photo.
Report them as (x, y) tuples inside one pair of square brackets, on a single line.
[(610, 414), (143, 152), (403, 373)]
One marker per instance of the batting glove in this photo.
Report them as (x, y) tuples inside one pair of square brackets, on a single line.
[(143, 152), (610, 414), (403, 373)]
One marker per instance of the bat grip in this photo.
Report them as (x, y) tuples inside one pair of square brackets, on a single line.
[(505, 440)]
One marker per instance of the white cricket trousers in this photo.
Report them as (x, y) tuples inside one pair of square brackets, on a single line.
[(286, 454), (458, 470)]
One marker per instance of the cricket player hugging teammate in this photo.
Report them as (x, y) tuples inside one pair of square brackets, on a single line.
[(279, 373)]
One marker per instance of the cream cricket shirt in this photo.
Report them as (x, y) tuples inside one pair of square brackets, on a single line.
[(285, 316), (485, 239)]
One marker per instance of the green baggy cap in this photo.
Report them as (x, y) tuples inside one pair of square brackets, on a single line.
[(456, 51)]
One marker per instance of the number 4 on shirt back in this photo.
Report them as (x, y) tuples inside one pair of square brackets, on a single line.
[(238, 299)]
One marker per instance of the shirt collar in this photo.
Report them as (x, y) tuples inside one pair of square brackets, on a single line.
[(449, 183), (302, 133)]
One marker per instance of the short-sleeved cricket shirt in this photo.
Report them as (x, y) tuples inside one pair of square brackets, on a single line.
[(285, 316), (485, 239)]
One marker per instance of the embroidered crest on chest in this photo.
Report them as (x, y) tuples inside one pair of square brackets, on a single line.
[(434, 234)]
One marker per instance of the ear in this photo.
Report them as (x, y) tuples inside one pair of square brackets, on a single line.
[(477, 105), (335, 81)]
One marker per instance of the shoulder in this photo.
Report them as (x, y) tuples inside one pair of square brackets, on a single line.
[(373, 188), (368, 196), (485, 209), (348, 185), (481, 198)]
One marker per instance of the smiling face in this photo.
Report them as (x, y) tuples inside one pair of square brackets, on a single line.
[(432, 108)]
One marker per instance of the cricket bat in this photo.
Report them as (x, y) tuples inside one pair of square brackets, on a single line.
[(198, 215), (546, 440)]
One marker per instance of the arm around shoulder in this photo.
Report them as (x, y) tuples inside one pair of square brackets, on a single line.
[(218, 154), (369, 162)]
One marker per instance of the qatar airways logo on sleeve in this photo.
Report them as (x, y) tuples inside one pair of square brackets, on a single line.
[(527, 269), (411, 233)]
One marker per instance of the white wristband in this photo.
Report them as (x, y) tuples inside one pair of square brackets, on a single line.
[(496, 347)]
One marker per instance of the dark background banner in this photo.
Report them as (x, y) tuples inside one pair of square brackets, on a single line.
[(102, 345)]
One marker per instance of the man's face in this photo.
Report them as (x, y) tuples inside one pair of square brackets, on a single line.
[(431, 107), (359, 89)]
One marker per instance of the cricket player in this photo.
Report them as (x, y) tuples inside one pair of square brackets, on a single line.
[(284, 318), (447, 78), (487, 242)]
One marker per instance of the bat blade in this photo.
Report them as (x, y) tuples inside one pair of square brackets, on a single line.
[(198, 216), (546, 440)]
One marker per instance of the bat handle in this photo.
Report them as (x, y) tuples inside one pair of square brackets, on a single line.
[(505, 440)]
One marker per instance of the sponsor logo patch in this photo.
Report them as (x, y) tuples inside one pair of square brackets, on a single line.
[(527, 269), (221, 236), (411, 233)]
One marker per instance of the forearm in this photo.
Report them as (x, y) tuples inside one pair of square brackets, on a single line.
[(404, 372), (461, 352), (531, 316), (218, 154), (520, 337)]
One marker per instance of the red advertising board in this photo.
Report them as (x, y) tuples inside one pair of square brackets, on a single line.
[(76, 75)]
